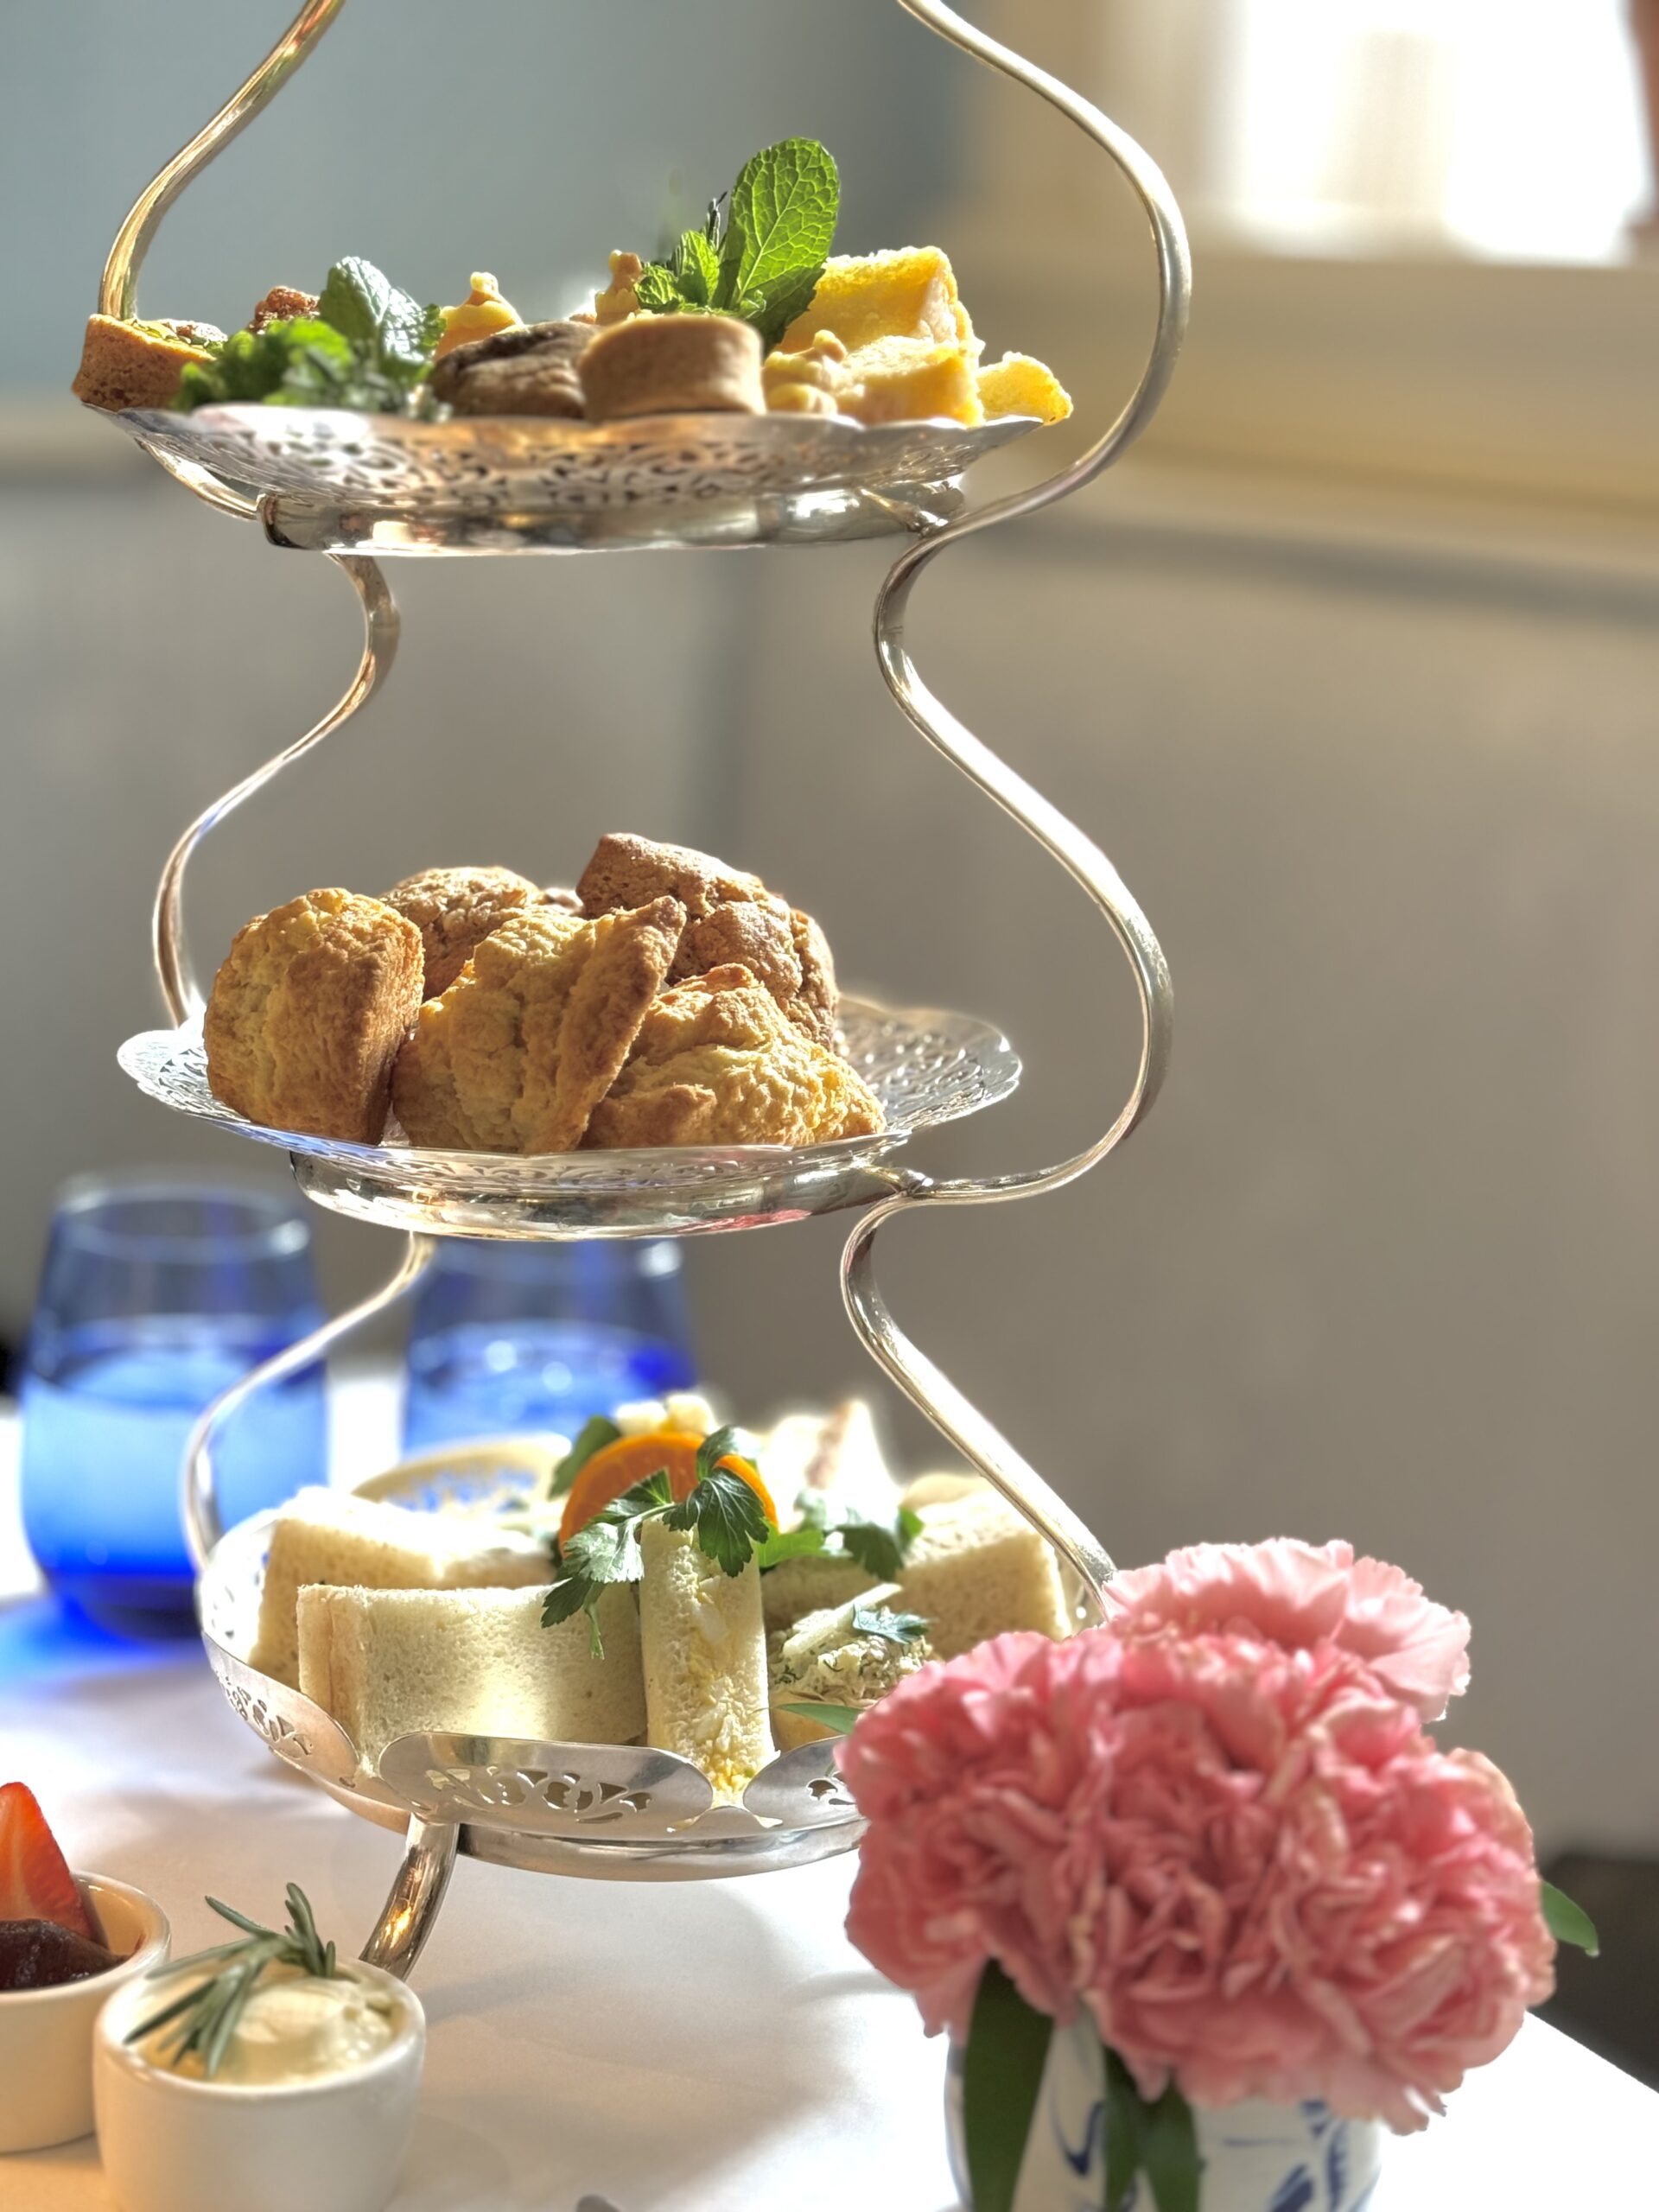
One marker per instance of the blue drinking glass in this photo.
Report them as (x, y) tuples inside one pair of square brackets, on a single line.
[(157, 1293), (509, 1339)]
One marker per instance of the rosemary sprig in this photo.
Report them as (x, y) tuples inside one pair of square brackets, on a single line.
[(207, 2012)]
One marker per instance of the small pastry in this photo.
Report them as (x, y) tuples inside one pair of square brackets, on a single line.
[(716, 1062), (308, 1012), (913, 380), (619, 299), (481, 315), (1018, 385), (454, 910), (907, 292), (531, 1034), (529, 369), (281, 303), (673, 364), (138, 364), (730, 917), (806, 382)]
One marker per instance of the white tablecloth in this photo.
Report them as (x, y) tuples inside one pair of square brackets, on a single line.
[(691, 2047)]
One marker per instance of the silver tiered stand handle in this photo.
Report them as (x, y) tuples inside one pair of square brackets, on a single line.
[(909, 1366), (418, 1890)]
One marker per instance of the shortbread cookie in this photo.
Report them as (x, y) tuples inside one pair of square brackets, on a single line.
[(308, 1012), (454, 910), (673, 364), (138, 364), (530, 1037), (528, 370), (717, 1063), (732, 918)]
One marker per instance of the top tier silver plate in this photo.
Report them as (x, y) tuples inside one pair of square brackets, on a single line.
[(924, 1065), (326, 480)]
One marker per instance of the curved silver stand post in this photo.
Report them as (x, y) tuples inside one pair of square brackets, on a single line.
[(203, 1523), (380, 625), (413, 1902), (910, 1367)]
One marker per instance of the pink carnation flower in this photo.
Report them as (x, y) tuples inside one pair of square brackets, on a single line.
[(1302, 1594), (1242, 1855)]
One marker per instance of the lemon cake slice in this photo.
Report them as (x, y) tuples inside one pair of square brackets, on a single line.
[(907, 292), (703, 1646), (387, 1664), (334, 1535)]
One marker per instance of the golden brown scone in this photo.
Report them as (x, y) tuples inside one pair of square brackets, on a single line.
[(308, 1012), (521, 1047), (731, 917), (454, 910), (717, 1063), (136, 364), (281, 303), (673, 364)]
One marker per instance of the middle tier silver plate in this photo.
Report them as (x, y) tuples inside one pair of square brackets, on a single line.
[(925, 1066)]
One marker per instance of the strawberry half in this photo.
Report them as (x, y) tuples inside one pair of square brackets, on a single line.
[(36, 1882)]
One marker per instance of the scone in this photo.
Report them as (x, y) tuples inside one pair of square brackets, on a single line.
[(731, 917), (454, 910), (308, 1012), (530, 1037), (716, 1062)]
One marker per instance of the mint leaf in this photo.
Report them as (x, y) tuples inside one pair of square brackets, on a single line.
[(1001, 2076), (728, 1520), (255, 365), (841, 1719), (789, 1543), (655, 291), (1567, 1922), (879, 1551), (694, 265), (390, 328), (773, 310), (784, 208), (891, 1628), (593, 1435)]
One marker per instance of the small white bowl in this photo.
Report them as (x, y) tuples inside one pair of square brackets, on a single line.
[(46, 2035), (172, 2145)]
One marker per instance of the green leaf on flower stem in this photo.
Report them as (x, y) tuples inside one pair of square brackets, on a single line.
[(1169, 2152), (1123, 2135), (1002, 2076), (840, 1720), (1567, 1922)]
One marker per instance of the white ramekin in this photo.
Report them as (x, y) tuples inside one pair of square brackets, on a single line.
[(46, 2035), (170, 2145)]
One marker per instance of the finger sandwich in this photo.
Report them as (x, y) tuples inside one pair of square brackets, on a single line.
[(703, 1645), (387, 1664), (335, 1536)]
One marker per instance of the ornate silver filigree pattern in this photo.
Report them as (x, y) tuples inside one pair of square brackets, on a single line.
[(926, 1067)]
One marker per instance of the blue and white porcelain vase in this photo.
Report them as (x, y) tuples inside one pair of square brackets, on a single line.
[(1257, 2156)]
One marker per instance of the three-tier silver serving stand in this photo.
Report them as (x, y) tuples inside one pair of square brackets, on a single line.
[(357, 488)]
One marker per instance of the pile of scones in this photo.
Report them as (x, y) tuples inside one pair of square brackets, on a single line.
[(668, 999)]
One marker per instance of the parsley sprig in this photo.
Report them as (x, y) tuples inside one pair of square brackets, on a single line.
[(760, 253), (880, 1548), (722, 1512), (207, 2012)]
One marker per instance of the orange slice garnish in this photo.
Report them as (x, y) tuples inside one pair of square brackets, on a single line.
[(615, 1468)]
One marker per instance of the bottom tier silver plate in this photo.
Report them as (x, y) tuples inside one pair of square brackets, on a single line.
[(611, 1812), (925, 1066)]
